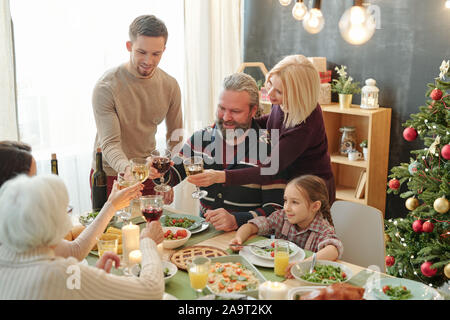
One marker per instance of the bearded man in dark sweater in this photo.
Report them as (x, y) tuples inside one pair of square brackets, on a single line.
[(235, 141)]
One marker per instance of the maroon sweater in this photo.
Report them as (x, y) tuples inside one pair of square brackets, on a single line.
[(303, 149)]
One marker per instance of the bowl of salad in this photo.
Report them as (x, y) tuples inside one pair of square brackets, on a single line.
[(175, 237), (325, 273), (87, 218), (182, 221)]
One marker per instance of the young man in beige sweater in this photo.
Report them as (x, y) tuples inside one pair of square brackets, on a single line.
[(131, 100)]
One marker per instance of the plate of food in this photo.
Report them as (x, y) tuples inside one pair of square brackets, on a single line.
[(337, 291), (266, 249), (325, 273), (233, 274), (186, 221), (401, 289), (87, 218), (268, 263), (181, 257)]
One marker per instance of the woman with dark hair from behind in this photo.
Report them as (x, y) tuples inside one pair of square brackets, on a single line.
[(16, 159)]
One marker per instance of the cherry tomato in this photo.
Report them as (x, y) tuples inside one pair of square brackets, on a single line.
[(386, 288), (272, 254)]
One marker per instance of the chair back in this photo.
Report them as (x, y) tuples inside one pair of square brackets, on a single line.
[(361, 230)]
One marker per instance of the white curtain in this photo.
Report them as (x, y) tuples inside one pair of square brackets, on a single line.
[(213, 51), (8, 119), (62, 49)]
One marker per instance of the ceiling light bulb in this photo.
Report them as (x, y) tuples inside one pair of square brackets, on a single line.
[(299, 10), (285, 2), (357, 25), (314, 21)]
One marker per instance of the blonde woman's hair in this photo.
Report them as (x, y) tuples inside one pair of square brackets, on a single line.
[(301, 87), (33, 212), (314, 189)]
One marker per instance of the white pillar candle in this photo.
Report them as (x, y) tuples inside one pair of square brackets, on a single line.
[(135, 257), (130, 240), (273, 291)]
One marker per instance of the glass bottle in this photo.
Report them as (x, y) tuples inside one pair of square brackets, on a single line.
[(348, 140), (99, 191), (54, 164)]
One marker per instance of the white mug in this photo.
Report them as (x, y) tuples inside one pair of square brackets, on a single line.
[(354, 155)]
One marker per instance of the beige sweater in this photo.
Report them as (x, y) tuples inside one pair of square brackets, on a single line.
[(39, 275), (127, 110)]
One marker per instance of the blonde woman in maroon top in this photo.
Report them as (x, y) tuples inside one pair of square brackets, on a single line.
[(302, 145)]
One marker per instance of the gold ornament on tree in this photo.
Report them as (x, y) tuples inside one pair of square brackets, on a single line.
[(412, 203), (441, 205), (447, 271), (387, 238)]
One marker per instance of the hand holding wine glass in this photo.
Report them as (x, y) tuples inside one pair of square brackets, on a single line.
[(161, 162), (133, 191), (193, 166)]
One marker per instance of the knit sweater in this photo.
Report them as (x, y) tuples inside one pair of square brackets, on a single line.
[(127, 109), (244, 201), (39, 275)]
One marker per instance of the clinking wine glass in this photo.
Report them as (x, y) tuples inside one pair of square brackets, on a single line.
[(161, 162), (139, 169), (123, 183), (192, 166), (152, 207)]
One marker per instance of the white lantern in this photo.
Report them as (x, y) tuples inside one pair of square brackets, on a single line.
[(369, 95)]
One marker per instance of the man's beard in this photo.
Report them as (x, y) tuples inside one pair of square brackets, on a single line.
[(238, 131)]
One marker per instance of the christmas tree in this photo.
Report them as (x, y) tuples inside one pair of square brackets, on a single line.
[(418, 246)]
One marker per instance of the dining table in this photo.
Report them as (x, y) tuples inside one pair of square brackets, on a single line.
[(178, 287)]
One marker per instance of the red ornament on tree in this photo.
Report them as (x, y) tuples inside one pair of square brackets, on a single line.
[(394, 184), (428, 226), (445, 152), (436, 94), (390, 260), (426, 269), (410, 134), (417, 226)]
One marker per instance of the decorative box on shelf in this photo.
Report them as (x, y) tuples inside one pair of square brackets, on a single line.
[(325, 93)]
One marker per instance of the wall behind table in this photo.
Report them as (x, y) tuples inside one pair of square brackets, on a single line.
[(403, 56)]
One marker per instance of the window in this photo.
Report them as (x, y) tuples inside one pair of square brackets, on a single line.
[(62, 48)]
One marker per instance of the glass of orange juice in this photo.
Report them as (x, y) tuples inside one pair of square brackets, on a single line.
[(198, 269), (281, 257)]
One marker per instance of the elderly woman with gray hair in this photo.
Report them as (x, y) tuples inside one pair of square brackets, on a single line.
[(33, 221)]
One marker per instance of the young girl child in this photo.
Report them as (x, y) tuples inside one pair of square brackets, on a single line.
[(304, 220)]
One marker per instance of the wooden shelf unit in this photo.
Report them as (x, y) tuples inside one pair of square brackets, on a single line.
[(373, 125)]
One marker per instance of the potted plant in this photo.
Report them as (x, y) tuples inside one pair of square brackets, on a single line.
[(365, 150), (345, 87)]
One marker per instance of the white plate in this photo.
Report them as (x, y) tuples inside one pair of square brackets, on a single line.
[(301, 291), (168, 296), (202, 227), (419, 291), (172, 270), (245, 252), (260, 253)]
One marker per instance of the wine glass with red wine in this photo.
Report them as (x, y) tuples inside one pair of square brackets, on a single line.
[(152, 207), (194, 165), (161, 162)]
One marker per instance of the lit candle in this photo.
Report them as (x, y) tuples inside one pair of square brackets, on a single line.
[(273, 291), (130, 240), (135, 257)]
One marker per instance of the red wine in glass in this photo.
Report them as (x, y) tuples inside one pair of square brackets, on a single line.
[(162, 164), (152, 214)]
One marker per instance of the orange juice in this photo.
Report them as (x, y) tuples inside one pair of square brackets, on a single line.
[(281, 262), (198, 277)]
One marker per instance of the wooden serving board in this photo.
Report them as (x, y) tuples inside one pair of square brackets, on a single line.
[(181, 257)]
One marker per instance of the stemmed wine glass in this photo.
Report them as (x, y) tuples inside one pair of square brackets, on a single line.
[(123, 183), (152, 207), (139, 169), (161, 162), (194, 165)]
